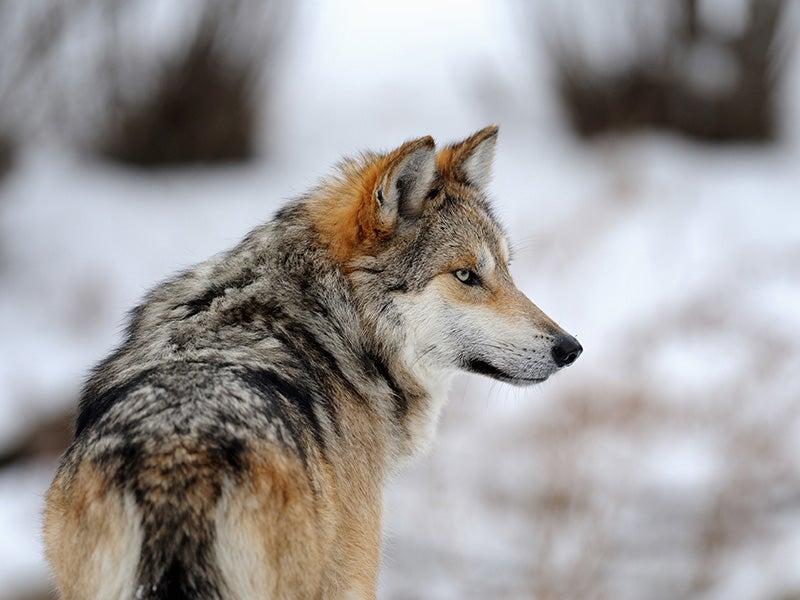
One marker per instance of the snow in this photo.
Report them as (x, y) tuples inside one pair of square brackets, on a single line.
[(21, 504), (661, 465)]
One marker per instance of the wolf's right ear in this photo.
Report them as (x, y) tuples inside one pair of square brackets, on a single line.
[(407, 178), (470, 160)]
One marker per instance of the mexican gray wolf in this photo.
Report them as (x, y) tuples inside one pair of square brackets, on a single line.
[(236, 444)]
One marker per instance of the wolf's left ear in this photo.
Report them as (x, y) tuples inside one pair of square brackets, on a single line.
[(407, 179), (470, 160)]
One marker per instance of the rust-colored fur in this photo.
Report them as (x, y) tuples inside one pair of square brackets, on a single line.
[(88, 508), (348, 217)]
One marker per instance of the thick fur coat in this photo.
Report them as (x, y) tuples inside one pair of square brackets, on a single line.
[(235, 446)]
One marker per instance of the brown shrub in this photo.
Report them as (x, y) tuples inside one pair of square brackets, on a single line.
[(202, 110), (6, 154), (91, 73), (659, 87), (206, 105)]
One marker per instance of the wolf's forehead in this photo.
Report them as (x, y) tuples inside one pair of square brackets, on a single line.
[(469, 217), (488, 239), (494, 244), (484, 243), (492, 249)]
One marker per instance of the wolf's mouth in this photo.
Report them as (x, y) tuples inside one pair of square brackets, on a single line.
[(481, 367)]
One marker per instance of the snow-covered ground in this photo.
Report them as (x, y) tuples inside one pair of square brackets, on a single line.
[(663, 464)]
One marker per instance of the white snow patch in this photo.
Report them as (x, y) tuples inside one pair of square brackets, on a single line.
[(684, 463), (22, 561), (689, 363)]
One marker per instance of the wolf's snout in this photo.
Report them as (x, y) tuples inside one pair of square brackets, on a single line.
[(566, 350)]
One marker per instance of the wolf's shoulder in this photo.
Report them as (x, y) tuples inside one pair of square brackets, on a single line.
[(195, 400)]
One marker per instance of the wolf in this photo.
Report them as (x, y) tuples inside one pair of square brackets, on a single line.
[(236, 444)]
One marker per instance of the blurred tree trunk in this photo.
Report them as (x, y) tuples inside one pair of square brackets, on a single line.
[(80, 71), (208, 101), (47, 438), (682, 85)]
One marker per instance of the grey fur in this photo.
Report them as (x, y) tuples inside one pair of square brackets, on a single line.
[(269, 342)]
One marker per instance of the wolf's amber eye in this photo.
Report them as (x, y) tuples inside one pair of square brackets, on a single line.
[(467, 277)]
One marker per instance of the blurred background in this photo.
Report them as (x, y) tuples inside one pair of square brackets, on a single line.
[(648, 173)]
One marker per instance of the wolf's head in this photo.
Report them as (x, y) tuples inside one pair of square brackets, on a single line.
[(428, 263)]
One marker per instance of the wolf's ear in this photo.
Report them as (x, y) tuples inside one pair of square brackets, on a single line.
[(407, 178), (471, 160)]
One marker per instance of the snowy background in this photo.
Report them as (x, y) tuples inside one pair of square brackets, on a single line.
[(663, 464)]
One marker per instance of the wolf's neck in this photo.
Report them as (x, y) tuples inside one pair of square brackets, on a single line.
[(261, 306)]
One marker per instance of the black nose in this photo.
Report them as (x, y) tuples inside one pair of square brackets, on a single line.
[(566, 350)]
